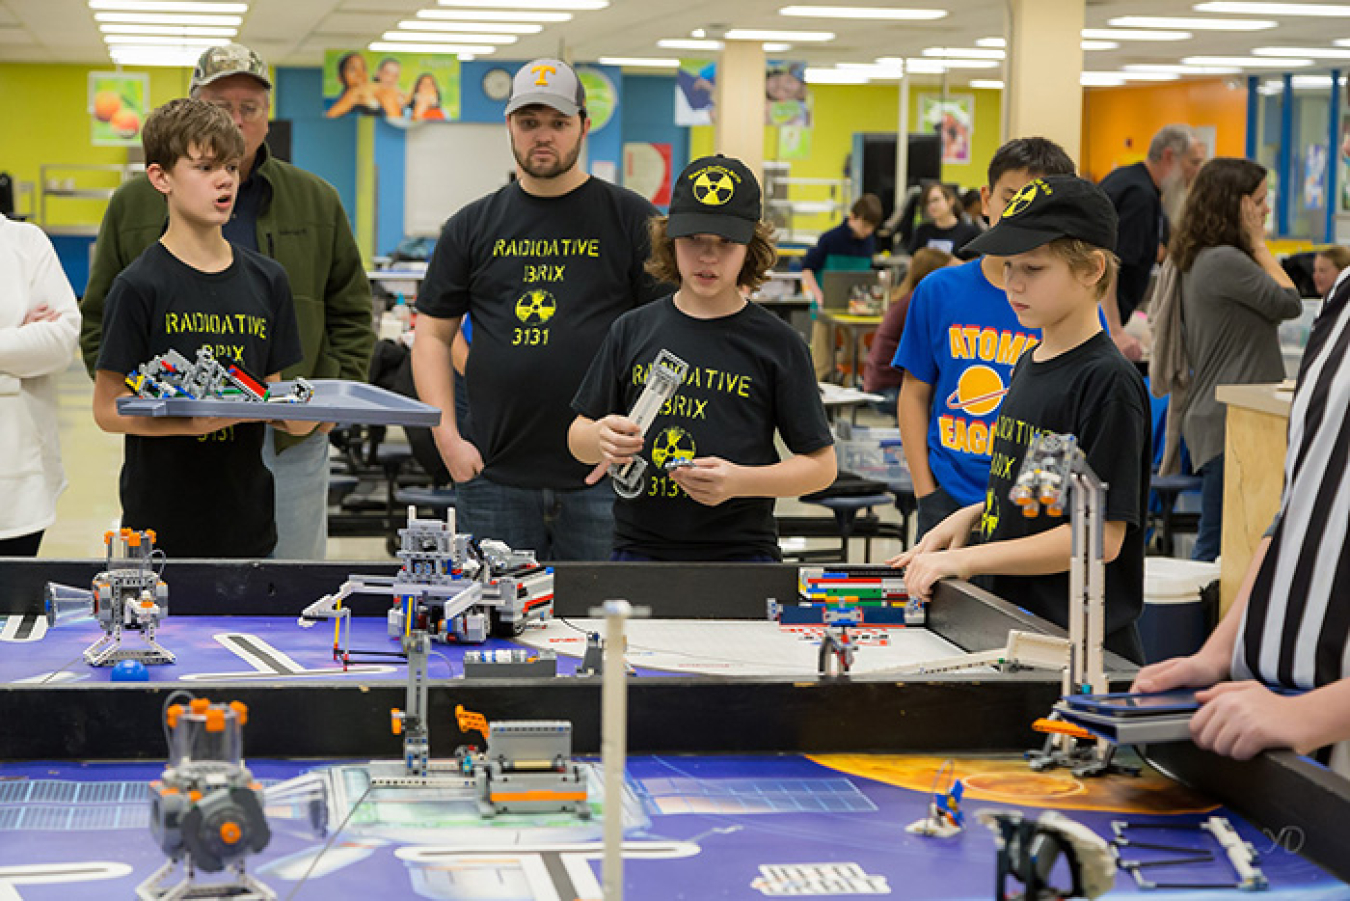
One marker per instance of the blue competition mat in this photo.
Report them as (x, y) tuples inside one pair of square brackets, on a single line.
[(335, 400), (696, 827)]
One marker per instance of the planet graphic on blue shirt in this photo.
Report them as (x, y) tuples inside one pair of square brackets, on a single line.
[(978, 392)]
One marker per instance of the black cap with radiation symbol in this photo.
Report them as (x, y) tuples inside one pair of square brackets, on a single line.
[(1056, 206), (715, 195)]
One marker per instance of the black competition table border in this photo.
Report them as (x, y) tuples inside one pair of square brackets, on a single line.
[(345, 718)]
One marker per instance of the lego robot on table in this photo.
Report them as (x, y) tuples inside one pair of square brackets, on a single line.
[(128, 596), (173, 375), (527, 766), (206, 810), (450, 586)]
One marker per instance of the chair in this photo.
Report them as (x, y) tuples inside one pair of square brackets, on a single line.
[(846, 510), (1167, 489)]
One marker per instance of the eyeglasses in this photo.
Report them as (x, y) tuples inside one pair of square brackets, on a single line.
[(248, 112)]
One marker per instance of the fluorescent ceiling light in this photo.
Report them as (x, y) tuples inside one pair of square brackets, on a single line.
[(987, 84), (573, 5), (689, 44), (1273, 9), (452, 27), (1134, 34), (929, 66), (1102, 38), (169, 19), (1129, 75), (449, 38), (706, 44), (1298, 82), (1192, 24), (963, 52), (180, 30), (167, 6), (1246, 62), (863, 12), (459, 50), (873, 71), (816, 75), (1181, 70), (1101, 80), (760, 34), (156, 40), (958, 63), (1310, 52), (640, 62), (492, 15)]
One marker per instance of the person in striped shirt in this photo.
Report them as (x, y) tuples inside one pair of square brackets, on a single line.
[(1289, 626)]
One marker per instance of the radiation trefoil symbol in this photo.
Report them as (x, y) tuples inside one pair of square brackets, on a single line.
[(713, 187), (673, 443), (989, 518), (1023, 198), (536, 307)]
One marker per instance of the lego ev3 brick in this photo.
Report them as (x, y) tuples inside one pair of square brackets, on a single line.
[(334, 400), (509, 664)]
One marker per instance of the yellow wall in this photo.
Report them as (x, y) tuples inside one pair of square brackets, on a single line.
[(49, 101), (839, 111), (1118, 123)]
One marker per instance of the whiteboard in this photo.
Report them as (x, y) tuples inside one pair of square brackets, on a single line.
[(449, 166)]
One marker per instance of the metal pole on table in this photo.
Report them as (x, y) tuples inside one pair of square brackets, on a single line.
[(614, 743)]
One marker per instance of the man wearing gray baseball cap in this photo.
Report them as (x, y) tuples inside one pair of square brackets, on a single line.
[(295, 218), (542, 266)]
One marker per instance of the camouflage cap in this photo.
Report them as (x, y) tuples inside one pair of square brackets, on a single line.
[(226, 60)]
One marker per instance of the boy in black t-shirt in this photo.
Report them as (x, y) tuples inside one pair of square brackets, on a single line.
[(1056, 238), (200, 482), (712, 469)]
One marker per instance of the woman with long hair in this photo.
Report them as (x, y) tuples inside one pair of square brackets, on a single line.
[(879, 376), (943, 228), (1234, 295)]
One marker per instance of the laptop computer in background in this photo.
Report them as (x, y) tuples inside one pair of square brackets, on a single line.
[(837, 286)]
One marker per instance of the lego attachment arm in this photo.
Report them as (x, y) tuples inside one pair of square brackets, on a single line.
[(663, 380)]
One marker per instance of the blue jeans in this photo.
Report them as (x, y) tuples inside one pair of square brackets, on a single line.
[(887, 405), (300, 483), (933, 509), (1209, 535), (555, 524)]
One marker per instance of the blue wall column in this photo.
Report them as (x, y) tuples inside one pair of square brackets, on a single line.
[(1285, 199), (1333, 155)]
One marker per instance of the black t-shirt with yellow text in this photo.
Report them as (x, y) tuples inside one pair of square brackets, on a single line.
[(209, 496), (1095, 394), (542, 278), (749, 374)]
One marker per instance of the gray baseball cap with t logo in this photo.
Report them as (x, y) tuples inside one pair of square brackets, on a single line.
[(550, 82)]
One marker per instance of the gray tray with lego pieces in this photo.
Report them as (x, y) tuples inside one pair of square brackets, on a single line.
[(334, 400)]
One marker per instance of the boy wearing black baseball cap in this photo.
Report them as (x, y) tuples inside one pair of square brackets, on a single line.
[(1056, 240), (712, 469)]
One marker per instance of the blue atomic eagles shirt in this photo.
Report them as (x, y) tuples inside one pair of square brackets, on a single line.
[(962, 338)]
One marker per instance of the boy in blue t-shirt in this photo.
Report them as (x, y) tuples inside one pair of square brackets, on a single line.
[(958, 350), (847, 246)]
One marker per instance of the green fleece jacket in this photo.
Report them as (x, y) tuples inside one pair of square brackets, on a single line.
[(302, 226)]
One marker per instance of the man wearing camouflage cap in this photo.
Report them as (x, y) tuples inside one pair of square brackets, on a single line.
[(295, 218), (543, 266)]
